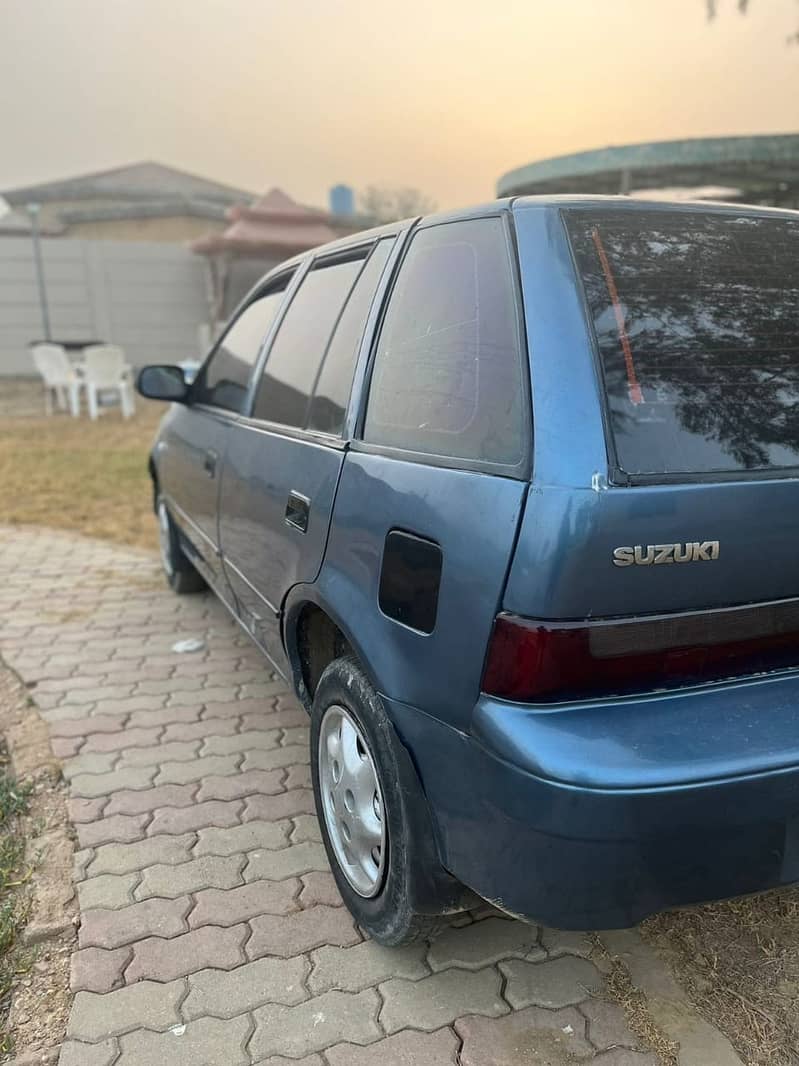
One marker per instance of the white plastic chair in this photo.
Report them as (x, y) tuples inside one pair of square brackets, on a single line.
[(61, 379), (105, 370)]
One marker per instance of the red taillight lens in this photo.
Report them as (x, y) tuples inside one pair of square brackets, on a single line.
[(533, 660)]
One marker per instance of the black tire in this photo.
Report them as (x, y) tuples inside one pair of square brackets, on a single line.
[(179, 571), (415, 890)]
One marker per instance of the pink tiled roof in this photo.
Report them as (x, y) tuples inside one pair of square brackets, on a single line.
[(272, 223)]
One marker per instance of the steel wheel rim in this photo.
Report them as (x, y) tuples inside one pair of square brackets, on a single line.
[(352, 801), (164, 539)]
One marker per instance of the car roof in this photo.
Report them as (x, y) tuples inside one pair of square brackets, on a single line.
[(628, 203), (566, 201)]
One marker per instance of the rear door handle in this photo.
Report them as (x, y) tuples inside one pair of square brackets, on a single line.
[(297, 510), (209, 463)]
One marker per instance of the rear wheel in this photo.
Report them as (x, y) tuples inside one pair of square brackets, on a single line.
[(178, 569), (372, 813)]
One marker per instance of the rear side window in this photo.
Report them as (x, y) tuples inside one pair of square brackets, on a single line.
[(696, 317), (300, 342), (224, 379), (447, 377), (332, 392)]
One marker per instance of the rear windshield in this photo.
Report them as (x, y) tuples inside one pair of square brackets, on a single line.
[(696, 318)]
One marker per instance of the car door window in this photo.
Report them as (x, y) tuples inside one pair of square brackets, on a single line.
[(332, 391), (300, 342), (448, 375), (224, 379)]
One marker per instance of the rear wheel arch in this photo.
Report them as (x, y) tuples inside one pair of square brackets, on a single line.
[(314, 639)]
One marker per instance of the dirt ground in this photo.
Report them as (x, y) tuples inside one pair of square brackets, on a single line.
[(739, 963), (40, 957)]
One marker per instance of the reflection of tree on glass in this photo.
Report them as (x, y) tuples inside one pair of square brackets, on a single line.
[(703, 310)]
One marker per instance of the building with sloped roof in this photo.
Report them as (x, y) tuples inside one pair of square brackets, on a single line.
[(259, 236), (143, 201)]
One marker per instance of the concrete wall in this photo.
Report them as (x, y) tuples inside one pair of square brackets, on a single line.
[(174, 228), (148, 297)]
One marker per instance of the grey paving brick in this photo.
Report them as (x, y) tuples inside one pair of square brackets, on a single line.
[(121, 739), (107, 891), (218, 813), (148, 1005), (319, 887), (98, 970), (179, 773), (607, 1024), (298, 776), (247, 837), (75, 1053), (366, 964), (288, 862), (438, 1000), (555, 983), (131, 777), (82, 726), (211, 871), (262, 740), (624, 1057), (315, 1024), (153, 917), (210, 947), (306, 827), (275, 808), (205, 1042), (483, 943), (225, 994), (87, 810), (122, 858), (560, 942), (215, 906), (292, 934), (277, 758), (169, 751), (135, 802), (240, 784), (403, 1049), (267, 718), (526, 1036), (211, 727), (120, 829), (90, 763), (163, 716)]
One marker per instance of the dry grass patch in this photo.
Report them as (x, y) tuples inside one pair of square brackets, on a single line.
[(739, 963), (74, 474)]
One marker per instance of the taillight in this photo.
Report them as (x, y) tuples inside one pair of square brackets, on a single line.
[(535, 660)]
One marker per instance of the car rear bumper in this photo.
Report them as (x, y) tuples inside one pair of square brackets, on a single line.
[(597, 815)]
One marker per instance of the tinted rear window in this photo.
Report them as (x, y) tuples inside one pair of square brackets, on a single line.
[(448, 374), (697, 322)]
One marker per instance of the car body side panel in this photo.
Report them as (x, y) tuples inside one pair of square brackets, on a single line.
[(473, 518), (264, 555), (188, 459)]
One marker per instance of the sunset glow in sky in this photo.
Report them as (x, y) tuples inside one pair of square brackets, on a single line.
[(444, 95)]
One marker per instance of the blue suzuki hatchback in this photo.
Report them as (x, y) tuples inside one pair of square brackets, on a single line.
[(511, 496)]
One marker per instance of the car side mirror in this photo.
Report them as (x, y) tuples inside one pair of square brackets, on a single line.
[(163, 383)]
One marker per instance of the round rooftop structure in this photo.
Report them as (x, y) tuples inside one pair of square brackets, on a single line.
[(760, 170)]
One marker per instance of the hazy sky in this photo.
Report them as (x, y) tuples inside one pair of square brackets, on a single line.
[(441, 94)]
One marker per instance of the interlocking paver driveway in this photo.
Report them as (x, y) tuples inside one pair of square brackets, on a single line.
[(211, 931)]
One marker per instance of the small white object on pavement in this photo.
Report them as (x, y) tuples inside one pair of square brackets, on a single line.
[(192, 644)]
